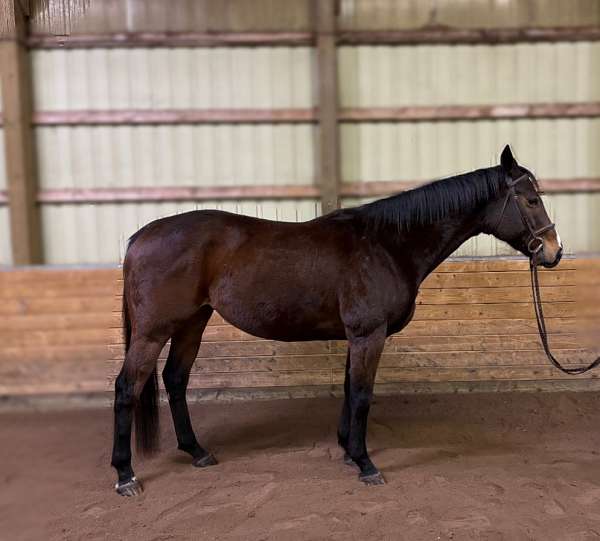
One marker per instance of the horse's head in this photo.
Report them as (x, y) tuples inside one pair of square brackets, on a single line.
[(519, 217)]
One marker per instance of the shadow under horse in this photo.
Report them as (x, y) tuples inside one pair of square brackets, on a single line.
[(350, 275)]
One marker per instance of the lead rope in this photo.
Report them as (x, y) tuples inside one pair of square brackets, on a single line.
[(541, 323)]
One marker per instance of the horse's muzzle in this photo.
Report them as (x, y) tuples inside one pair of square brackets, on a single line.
[(552, 264)]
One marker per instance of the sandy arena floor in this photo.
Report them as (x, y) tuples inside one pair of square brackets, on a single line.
[(458, 467)]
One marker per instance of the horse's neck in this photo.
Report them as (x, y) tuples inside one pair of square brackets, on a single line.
[(426, 247)]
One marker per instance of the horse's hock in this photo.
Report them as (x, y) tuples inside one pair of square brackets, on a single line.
[(474, 329)]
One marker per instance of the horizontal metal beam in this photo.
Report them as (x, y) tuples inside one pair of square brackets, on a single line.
[(383, 188), (304, 115), (437, 35), (170, 39), (441, 35), (348, 189), (470, 112), (573, 185), (139, 195), (173, 116)]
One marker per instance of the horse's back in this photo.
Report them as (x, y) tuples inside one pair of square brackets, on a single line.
[(242, 266)]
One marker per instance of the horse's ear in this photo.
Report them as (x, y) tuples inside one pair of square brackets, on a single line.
[(507, 159)]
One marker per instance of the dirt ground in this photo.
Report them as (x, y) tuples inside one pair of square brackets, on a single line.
[(501, 466)]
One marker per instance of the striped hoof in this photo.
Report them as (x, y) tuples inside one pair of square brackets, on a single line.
[(130, 488), (204, 461)]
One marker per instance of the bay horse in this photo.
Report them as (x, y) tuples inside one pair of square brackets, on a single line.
[(352, 275)]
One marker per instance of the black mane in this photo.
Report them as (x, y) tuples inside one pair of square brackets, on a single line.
[(435, 201)]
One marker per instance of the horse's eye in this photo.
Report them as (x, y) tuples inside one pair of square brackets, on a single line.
[(533, 201)]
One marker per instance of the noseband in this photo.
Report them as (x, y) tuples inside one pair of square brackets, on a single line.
[(535, 243)]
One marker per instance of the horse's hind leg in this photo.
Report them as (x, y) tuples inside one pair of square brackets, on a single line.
[(184, 348), (135, 385)]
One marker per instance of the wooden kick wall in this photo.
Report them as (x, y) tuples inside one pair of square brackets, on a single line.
[(474, 328)]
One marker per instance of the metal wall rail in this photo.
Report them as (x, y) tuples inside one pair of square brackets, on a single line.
[(427, 35)]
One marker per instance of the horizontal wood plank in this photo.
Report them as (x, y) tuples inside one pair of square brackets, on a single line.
[(51, 354), (55, 337), (427, 35), (170, 39), (508, 279), (137, 117), (176, 193), (264, 191), (455, 36), (383, 188), (389, 359), (439, 113), (494, 295), (434, 113), (35, 306), (81, 320)]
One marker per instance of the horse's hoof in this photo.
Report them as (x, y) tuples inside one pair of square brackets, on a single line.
[(204, 461), (130, 488), (372, 479)]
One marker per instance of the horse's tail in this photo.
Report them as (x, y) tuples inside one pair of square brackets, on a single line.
[(126, 322), (146, 406), (146, 417)]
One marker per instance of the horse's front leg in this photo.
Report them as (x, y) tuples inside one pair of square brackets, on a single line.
[(364, 353), (344, 425)]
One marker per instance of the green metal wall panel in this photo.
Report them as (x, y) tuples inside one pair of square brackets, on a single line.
[(394, 76), (99, 233), (178, 78), (559, 148), (201, 155)]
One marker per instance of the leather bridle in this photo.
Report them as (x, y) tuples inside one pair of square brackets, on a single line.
[(535, 243), (536, 237)]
